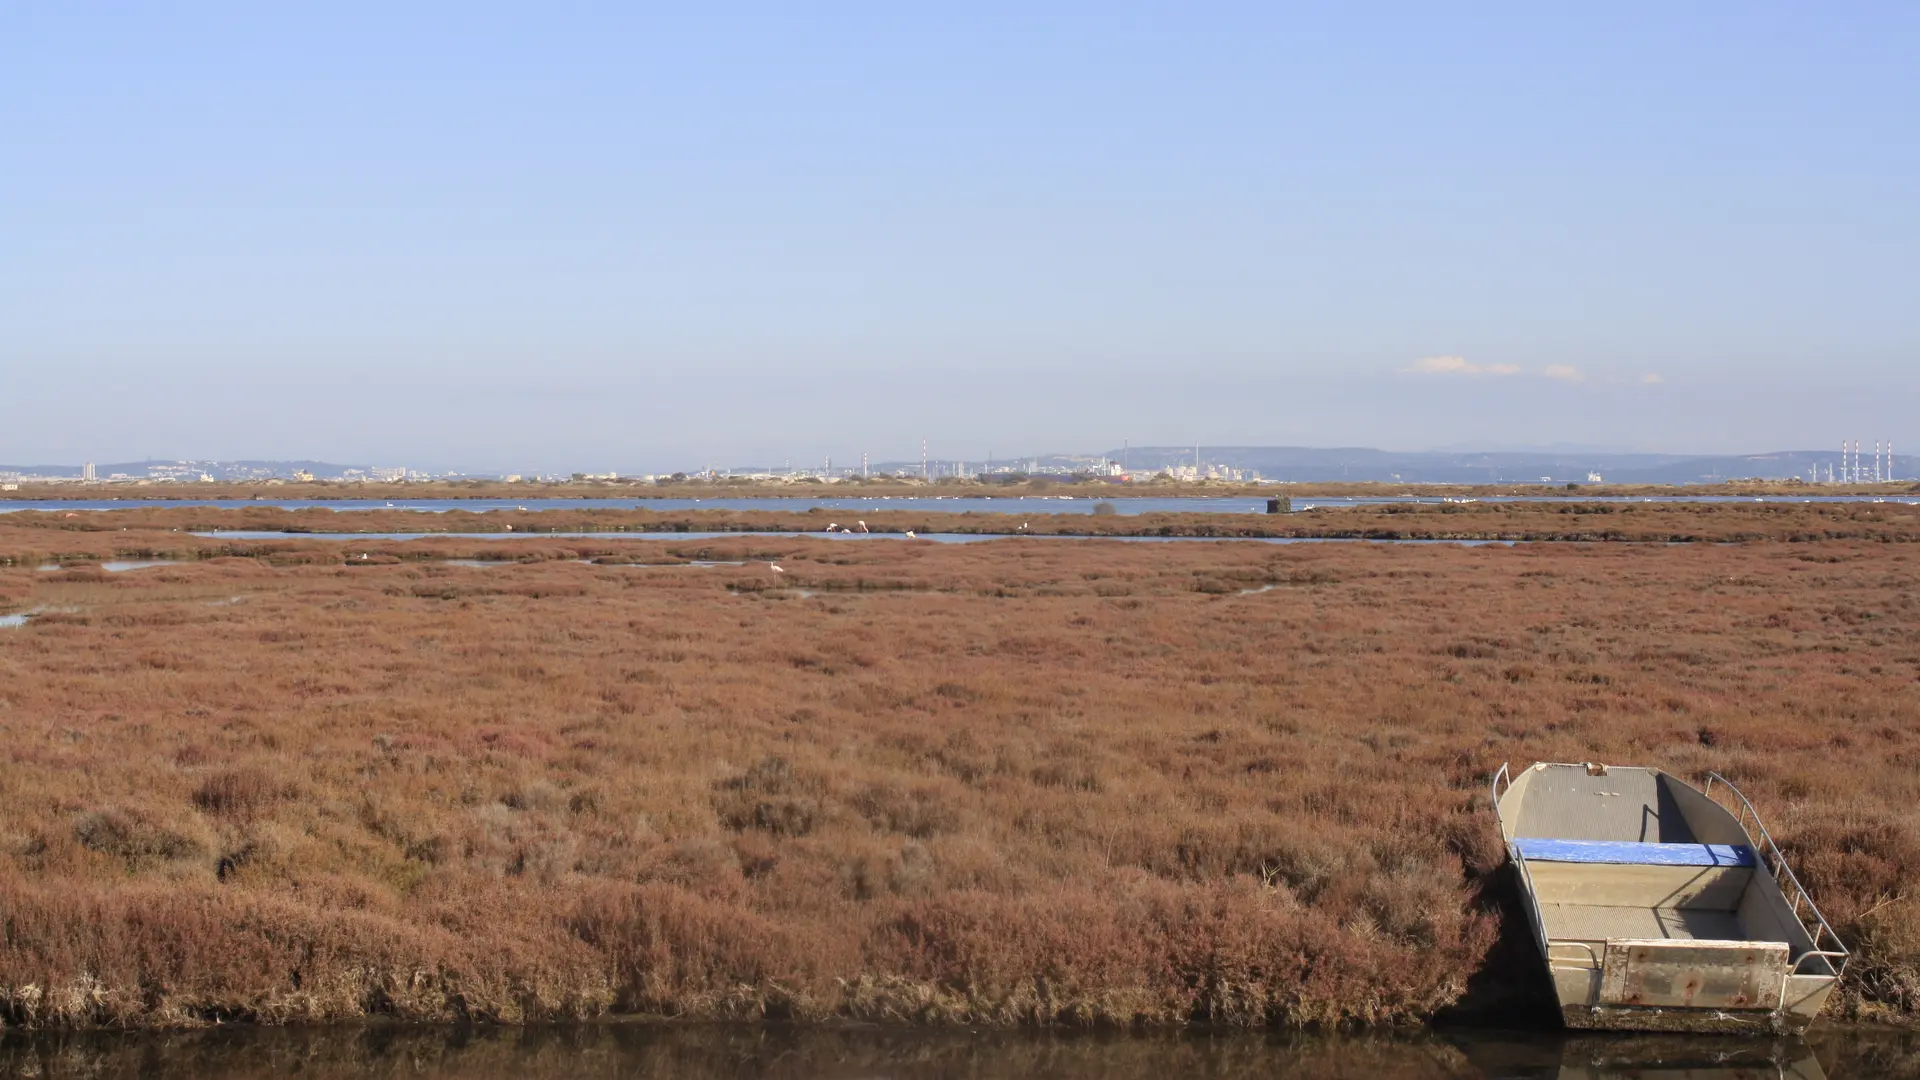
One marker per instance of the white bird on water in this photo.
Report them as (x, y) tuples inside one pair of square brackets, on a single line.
[(776, 568), (832, 525), (863, 525), (910, 535)]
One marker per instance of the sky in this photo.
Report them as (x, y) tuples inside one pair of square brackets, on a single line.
[(566, 236)]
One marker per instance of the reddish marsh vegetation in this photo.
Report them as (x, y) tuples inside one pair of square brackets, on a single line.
[(1011, 782), (168, 529)]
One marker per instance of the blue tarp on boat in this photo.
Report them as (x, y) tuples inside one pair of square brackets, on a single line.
[(1548, 849)]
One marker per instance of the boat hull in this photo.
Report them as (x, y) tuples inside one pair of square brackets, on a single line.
[(1654, 910), (1694, 1021), (1582, 997)]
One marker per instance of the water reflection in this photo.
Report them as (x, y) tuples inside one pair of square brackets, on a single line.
[(1644, 1057), (775, 1053)]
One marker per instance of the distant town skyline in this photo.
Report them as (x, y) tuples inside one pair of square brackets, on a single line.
[(1854, 461)]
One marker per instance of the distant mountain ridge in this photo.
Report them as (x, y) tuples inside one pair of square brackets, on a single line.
[(1309, 464), (190, 470)]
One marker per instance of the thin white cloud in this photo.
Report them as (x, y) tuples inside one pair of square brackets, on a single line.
[(1652, 377), (1458, 365), (1563, 372)]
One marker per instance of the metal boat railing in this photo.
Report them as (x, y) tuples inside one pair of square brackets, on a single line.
[(1592, 961), (1531, 895), (1819, 931), (1503, 774), (1814, 923)]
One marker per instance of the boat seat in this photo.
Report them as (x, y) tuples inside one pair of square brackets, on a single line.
[(1631, 853)]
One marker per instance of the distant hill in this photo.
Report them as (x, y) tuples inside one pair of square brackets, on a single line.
[(189, 470), (1309, 464)]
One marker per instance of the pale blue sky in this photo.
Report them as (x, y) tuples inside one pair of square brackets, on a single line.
[(557, 236)]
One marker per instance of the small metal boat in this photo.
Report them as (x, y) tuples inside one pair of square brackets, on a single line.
[(1661, 907)]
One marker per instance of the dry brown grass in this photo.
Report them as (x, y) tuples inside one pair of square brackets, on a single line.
[(1016, 782)]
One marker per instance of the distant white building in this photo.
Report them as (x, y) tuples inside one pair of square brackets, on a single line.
[(86, 473)]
